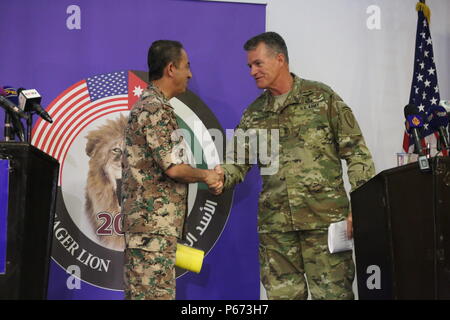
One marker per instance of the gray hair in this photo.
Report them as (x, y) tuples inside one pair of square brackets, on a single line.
[(272, 40)]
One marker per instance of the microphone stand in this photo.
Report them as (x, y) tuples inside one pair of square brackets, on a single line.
[(29, 124), (442, 141), (8, 125)]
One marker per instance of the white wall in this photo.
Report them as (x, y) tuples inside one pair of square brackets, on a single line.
[(371, 69), (329, 41)]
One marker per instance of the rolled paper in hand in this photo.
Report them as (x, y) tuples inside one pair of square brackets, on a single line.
[(189, 258)]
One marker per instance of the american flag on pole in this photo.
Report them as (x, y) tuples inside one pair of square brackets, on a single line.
[(424, 88)]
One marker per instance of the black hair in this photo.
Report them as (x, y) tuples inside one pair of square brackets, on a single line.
[(160, 54)]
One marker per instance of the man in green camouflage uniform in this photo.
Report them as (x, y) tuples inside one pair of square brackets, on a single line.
[(300, 200), (155, 177)]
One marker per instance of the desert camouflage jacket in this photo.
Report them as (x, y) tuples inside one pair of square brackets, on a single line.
[(316, 130), (152, 203)]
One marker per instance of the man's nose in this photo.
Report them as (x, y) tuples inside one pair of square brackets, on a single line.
[(253, 71)]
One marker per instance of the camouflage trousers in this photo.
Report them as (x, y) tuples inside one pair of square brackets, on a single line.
[(293, 261), (150, 272)]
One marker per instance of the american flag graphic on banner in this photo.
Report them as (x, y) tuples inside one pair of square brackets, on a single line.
[(107, 85), (424, 89), (77, 107)]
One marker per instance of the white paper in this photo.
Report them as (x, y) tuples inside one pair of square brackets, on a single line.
[(337, 237)]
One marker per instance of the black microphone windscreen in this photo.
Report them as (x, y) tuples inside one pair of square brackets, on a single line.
[(410, 109)]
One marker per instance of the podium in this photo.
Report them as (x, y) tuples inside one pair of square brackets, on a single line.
[(401, 224), (29, 210)]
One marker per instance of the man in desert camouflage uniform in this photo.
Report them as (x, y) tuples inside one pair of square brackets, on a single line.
[(298, 202), (155, 177)]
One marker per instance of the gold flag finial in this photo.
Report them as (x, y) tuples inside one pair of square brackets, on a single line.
[(421, 6)]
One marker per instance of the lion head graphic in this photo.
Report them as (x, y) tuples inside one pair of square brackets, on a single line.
[(104, 147)]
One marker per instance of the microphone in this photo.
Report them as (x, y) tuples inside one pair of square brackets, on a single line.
[(414, 124), (13, 125), (29, 100), (445, 104), (439, 121), (8, 129), (5, 103)]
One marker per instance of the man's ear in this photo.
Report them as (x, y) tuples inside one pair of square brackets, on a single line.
[(170, 69), (281, 58)]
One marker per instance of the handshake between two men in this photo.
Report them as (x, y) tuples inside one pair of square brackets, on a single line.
[(215, 180), (184, 173)]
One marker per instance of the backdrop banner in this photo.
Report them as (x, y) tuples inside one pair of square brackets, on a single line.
[(89, 65)]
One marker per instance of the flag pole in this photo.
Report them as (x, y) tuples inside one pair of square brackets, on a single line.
[(422, 6), (424, 88)]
